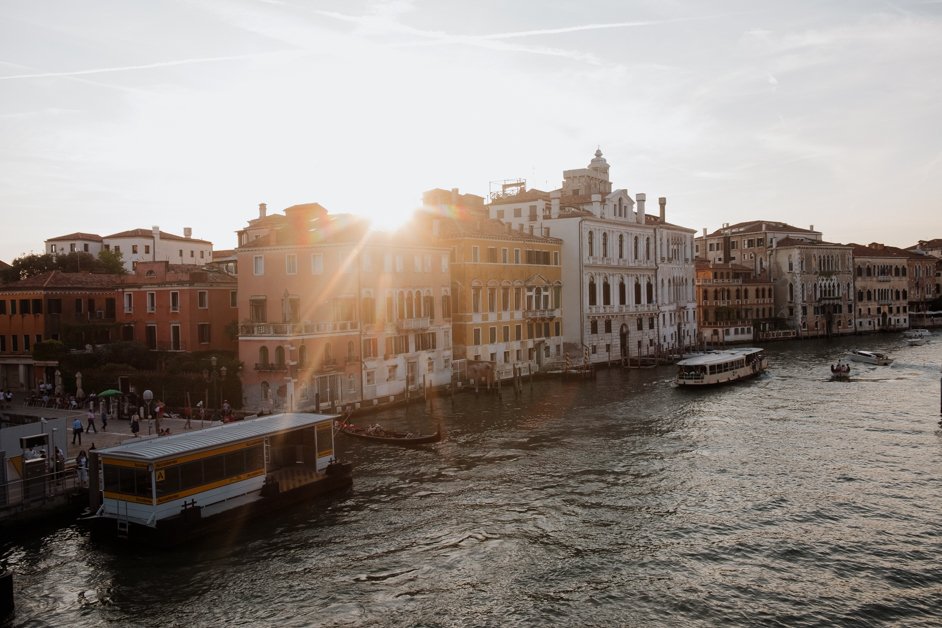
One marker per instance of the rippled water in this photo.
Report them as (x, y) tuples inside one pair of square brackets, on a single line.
[(788, 499)]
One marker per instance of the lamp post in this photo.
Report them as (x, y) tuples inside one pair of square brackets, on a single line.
[(148, 397), (212, 376)]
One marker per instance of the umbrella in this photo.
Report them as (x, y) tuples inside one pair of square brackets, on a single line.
[(111, 392)]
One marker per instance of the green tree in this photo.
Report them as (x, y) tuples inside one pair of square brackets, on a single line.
[(29, 265), (111, 262)]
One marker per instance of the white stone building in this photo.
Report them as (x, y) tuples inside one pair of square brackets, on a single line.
[(628, 278), (137, 245)]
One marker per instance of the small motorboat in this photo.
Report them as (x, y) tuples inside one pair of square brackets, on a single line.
[(870, 357), (916, 337), (840, 371)]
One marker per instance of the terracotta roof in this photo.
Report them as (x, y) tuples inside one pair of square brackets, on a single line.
[(875, 249), (935, 243), (78, 235), (756, 226), (59, 279), (147, 233), (790, 241)]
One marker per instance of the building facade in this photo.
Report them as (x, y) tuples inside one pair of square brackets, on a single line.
[(171, 307), (733, 305), (882, 288), (137, 245), (332, 314), (813, 286), (749, 243), (628, 278)]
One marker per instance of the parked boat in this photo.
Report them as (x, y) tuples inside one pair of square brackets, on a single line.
[(379, 434), (870, 357), (840, 371), (721, 367), (169, 489)]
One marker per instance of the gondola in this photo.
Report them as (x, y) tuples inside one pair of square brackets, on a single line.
[(379, 434)]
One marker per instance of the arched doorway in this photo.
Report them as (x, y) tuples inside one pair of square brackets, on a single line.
[(623, 340)]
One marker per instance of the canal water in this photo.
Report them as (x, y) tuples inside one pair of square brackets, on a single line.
[(788, 499)]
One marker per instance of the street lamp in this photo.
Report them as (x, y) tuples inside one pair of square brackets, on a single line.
[(148, 397)]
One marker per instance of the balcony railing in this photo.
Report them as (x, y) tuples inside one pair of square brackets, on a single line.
[(268, 366), (541, 314), (412, 324), (297, 329)]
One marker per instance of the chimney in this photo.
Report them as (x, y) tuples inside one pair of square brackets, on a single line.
[(811, 228), (662, 201), (554, 204), (262, 210), (155, 230), (187, 232), (640, 197), (704, 232)]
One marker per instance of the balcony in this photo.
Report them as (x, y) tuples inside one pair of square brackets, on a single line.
[(269, 367), (297, 329), (541, 314), (413, 324)]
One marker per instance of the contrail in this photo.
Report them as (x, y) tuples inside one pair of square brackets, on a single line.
[(147, 66)]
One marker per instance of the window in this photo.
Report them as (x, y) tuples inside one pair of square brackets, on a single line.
[(128, 302), (202, 299), (504, 257), (146, 249), (317, 264), (25, 342), (476, 299), (134, 249), (475, 254), (174, 301), (476, 341), (291, 264), (258, 310), (258, 264), (15, 344), (174, 337), (150, 336), (202, 333), (492, 335), (492, 254), (151, 301), (516, 256), (233, 298)]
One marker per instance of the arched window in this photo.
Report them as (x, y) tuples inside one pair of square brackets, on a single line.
[(638, 292), (604, 245), (869, 295), (650, 293), (592, 298), (350, 353), (636, 248), (302, 356), (263, 356), (869, 273), (446, 306), (647, 249), (401, 306), (621, 246), (591, 245), (279, 355), (622, 293), (368, 310), (716, 294), (791, 292), (417, 303), (606, 292)]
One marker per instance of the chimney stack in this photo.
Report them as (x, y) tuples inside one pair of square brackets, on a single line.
[(262, 210), (640, 197), (187, 232), (811, 228), (662, 201), (554, 204), (704, 232)]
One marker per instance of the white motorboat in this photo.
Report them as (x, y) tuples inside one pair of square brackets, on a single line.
[(870, 357), (721, 367), (916, 337)]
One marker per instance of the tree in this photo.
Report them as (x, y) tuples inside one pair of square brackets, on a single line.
[(111, 262), (29, 265)]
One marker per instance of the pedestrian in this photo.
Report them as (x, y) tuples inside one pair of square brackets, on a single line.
[(81, 466), (226, 411), (91, 422), (77, 430), (59, 464), (188, 413), (104, 415), (135, 426)]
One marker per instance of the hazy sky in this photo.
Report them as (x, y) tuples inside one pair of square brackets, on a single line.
[(117, 115)]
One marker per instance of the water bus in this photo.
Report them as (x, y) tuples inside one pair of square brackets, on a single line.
[(169, 489), (721, 367)]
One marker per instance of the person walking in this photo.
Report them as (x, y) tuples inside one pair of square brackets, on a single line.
[(77, 430), (81, 466), (104, 415), (91, 421)]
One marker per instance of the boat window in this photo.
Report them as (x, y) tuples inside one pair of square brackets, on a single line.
[(127, 480)]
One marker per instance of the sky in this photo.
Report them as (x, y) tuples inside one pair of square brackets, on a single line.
[(117, 115)]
